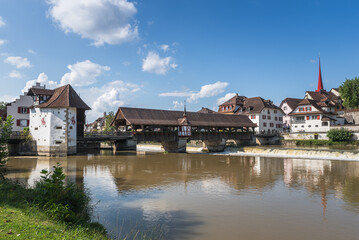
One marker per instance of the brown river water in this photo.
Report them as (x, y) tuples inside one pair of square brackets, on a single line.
[(201, 196)]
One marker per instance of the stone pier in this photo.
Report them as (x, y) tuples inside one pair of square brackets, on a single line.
[(126, 144), (214, 145), (178, 146)]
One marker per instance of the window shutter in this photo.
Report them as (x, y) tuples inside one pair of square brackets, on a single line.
[(28, 110), (28, 122), (18, 122), (18, 109), (307, 117), (318, 117)]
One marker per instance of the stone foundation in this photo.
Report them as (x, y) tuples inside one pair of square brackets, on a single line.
[(215, 145), (175, 146)]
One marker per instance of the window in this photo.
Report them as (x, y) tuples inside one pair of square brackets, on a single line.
[(22, 123), (268, 111), (280, 119), (58, 127), (324, 124), (316, 125), (285, 108), (253, 116), (309, 126), (275, 118), (264, 116), (58, 142), (269, 117), (308, 109), (314, 117), (300, 118), (264, 124), (271, 124), (23, 110), (275, 111)]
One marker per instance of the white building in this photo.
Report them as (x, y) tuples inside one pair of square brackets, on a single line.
[(308, 116), (288, 105), (267, 116), (57, 120), (20, 109)]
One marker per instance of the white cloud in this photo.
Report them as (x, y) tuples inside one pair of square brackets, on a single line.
[(109, 97), (2, 42), (153, 63), (7, 98), (15, 74), (312, 61), (18, 62), (31, 51), (165, 47), (2, 22), (177, 94), (177, 105), (103, 21), (225, 98), (83, 73), (209, 90), (43, 79)]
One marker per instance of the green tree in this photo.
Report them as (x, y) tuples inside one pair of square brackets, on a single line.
[(109, 118), (349, 92), (2, 105), (5, 132), (339, 135)]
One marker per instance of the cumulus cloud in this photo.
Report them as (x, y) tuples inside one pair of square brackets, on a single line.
[(225, 98), (83, 73), (177, 94), (165, 47), (7, 98), (15, 74), (103, 21), (109, 97), (153, 63), (208, 90), (2, 22), (18, 62), (43, 79), (2, 42), (312, 61), (177, 105)]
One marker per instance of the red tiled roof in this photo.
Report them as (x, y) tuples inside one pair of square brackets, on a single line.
[(65, 96)]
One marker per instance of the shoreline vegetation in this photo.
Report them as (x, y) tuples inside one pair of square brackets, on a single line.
[(49, 210)]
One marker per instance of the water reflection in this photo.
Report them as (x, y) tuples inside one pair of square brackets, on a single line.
[(182, 196)]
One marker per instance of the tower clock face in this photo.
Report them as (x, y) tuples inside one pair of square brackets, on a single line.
[(43, 121)]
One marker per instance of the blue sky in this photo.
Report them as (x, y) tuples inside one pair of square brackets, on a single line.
[(156, 54)]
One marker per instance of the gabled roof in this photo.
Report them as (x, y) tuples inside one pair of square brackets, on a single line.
[(65, 96), (292, 102), (307, 101), (154, 117), (206, 110), (257, 104), (40, 91), (323, 97)]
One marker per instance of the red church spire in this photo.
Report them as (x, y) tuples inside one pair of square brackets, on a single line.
[(320, 82)]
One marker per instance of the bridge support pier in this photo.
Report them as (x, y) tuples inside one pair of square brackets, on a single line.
[(178, 146), (126, 144), (214, 145)]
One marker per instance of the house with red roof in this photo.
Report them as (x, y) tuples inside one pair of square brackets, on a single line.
[(57, 119)]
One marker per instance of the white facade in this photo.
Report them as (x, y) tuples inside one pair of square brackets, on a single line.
[(310, 119), (20, 109), (54, 130), (286, 118), (268, 120)]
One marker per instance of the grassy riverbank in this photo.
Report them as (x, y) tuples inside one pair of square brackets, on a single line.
[(21, 218), (315, 142)]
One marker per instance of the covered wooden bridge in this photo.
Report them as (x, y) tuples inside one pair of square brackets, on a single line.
[(174, 128)]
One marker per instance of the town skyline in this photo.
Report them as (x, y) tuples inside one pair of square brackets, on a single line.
[(143, 56)]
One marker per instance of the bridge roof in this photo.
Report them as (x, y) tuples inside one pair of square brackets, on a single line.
[(154, 117)]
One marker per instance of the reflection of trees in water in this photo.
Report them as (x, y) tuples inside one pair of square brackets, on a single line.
[(132, 172), (326, 178)]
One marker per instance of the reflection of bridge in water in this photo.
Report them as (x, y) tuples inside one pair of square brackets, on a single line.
[(173, 129)]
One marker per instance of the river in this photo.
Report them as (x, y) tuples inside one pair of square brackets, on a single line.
[(201, 196)]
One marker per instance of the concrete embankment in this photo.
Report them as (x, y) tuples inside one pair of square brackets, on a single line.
[(331, 154)]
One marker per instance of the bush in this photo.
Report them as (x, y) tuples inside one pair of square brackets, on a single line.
[(339, 135), (5, 132), (62, 200), (25, 134)]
